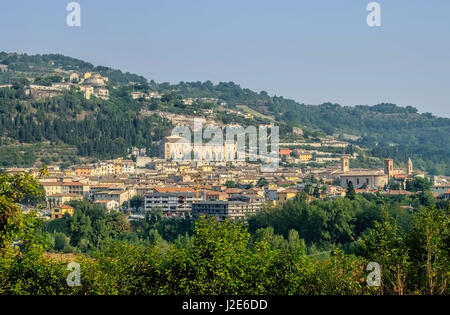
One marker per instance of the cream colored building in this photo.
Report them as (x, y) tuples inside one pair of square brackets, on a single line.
[(178, 148), (368, 178)]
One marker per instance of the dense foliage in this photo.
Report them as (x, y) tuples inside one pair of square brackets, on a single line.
[(214, 257), (38, 64), (98, 128)]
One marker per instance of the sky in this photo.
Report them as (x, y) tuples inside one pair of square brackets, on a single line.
[(313, 51)]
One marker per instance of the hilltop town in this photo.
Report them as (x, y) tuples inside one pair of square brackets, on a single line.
[(145, 174), (226, 190)]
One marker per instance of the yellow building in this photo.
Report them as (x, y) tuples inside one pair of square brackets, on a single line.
[(52, 188), (185, 168), (285, 195), (60, 211), (206, 168), (83, 171), (305, 156), (248, 180)]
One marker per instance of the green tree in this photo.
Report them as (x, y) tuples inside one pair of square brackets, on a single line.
[(230, 184), (350, 191), (386, 245), (429, 241), (262, 182)]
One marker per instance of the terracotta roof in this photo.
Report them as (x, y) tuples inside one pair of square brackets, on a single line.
[(72, 184), (363, 173), (65, 207), (51, 184), (100, 186), (233, 190), (399, 192), (65, 195), (173, 189), (216, 193), (289, 191), (447, 192)]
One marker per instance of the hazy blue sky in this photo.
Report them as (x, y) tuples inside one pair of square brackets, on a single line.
[(313, 51)]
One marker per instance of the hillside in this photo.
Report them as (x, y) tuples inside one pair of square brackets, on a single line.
[(103, 128)]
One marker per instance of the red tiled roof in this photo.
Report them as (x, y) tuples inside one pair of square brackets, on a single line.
[(51, 184), (173, 189), (399, 192), (72, 184), (65, 195), (65, 207), (233, 190)]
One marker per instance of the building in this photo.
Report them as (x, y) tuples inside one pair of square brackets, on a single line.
[(84, 171), (216, 196), (76, 188), (74, 77), (88, 91), (440, 189), (285, 152), (118, 195), (345, 163), (364, 178), (285, 195), (96, 188), (56, 200), (95, 80), (101, 93), (173, 201), (410, 171), (334, 143), (389, 168), (127, 167), (59, 212), (61, 187), (223, 210), (303, 156), (238, 206), (52, 188), (178, 148), (139, 95), (447, 195), (361, 178), (110, 205)]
